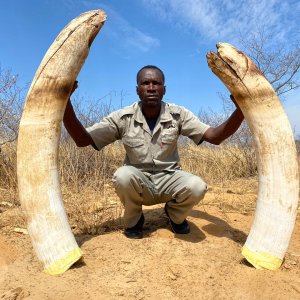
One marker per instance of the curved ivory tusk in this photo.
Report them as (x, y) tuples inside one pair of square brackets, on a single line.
[(276, 156), (39, 133)]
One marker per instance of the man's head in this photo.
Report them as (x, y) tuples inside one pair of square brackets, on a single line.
[(150, 86), (150, 67)]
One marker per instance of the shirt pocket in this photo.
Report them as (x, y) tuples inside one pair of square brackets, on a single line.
[(168, 139), (169, 136), (135, 149)]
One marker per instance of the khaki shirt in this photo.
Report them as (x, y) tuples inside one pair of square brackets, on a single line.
[(149, 151)]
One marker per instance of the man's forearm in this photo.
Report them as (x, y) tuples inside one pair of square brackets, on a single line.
[(78, 133), (222, 132), (231, 125)]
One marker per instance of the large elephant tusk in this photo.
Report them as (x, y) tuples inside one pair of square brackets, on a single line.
[(39, 134), (277, 200)]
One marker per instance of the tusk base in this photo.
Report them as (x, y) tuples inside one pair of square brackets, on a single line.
[(64, 263), (261, 260)]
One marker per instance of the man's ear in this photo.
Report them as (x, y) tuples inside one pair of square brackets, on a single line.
[(165, 89), (137, 89)]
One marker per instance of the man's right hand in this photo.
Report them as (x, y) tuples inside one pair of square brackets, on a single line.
[(73, 125), (75, 86)]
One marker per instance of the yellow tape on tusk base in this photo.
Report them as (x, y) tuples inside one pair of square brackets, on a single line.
[(262, 260), (64, 263)]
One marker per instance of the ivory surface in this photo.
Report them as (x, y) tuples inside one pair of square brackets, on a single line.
[(276, 154), (39, 134)]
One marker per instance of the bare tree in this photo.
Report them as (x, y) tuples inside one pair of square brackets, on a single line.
[(279, 62), (90, 111), (10, 106)]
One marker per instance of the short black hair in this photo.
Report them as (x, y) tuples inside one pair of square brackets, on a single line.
[(150, 67)]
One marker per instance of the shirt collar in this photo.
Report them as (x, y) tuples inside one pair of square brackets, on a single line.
[(164, 115)]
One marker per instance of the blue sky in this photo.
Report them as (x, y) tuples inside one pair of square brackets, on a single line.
[(172, 34)]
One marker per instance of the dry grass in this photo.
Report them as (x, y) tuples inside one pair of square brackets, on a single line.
[(230, 172), (89, 198), (219, 164), (88, 194), (8, 173)]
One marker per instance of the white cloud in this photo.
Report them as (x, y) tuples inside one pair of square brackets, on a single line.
[(225, 19), (129, 37)]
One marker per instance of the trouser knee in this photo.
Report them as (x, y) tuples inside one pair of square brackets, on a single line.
[(197, 189), (123, 177)]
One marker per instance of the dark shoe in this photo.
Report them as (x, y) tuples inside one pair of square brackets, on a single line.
[(135, 232), (182, 228)]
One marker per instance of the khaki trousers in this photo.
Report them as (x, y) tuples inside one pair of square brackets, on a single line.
[(179, 189)]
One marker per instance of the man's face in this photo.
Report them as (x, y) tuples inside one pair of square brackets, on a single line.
[(150, 87)]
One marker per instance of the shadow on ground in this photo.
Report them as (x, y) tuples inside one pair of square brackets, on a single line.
[(156, 219)]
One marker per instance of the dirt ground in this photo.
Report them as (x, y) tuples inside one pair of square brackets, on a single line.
[(205, 264)]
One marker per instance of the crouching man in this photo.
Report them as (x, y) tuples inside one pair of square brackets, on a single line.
[(149, 130)]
